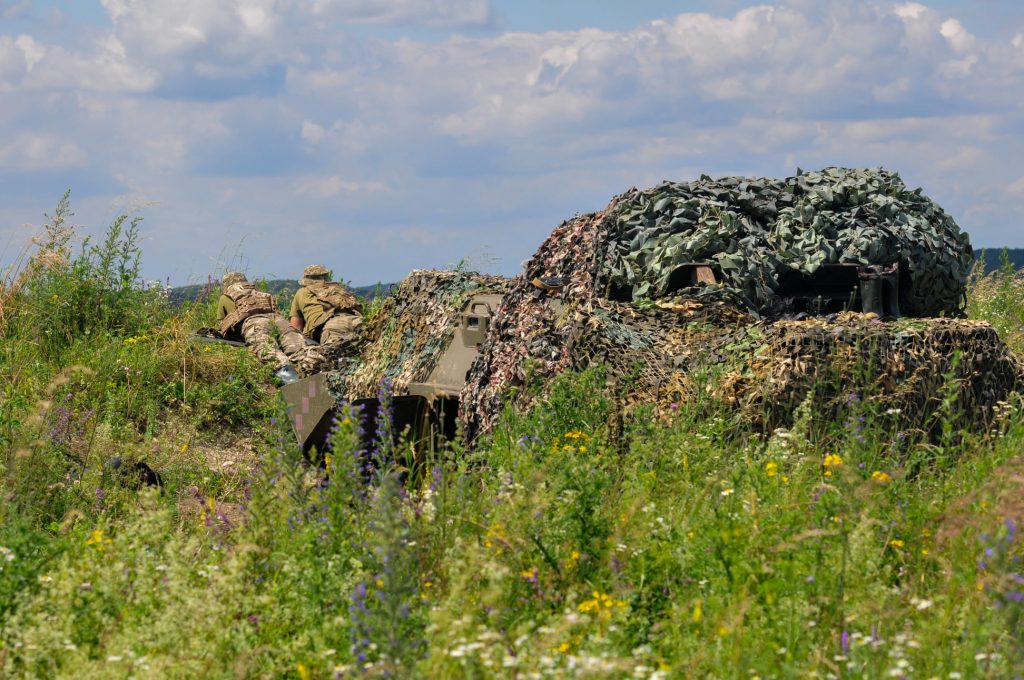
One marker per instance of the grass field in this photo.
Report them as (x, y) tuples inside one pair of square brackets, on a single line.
[(692, 546)]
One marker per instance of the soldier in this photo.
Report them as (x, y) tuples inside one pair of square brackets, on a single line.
[(248, 314), (324, 310)]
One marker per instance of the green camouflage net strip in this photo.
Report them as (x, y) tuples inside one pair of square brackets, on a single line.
[(408, 334), (755, 230)]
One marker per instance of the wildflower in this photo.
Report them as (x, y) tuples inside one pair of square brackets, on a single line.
[(184, 447), (698, 612), (896, 543), (45, 578), (831, 461), (303, 671), (495, 535), (563, 648), (7, 554), (601, 604), (881, 477), (574, 557), (771, 468), (98, 540), (55, 297), (728, 492)]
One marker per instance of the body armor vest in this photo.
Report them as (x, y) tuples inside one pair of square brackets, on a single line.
[(248, 302)]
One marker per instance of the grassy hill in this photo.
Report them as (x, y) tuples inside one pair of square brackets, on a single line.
[(578, 540)]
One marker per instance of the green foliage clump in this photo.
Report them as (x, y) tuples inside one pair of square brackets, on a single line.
[(998, 298)]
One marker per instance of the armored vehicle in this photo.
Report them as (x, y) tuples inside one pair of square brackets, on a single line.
[(415, 360)]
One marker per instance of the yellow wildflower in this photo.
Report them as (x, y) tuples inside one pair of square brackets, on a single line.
[(698, 612), (771, 468), (601, 604), (528, 573), (303, 671), (896, 543), (98, 540), (831, 461), (563, 648), (881, 477), (184, 447), (380, 583), (495, 536)]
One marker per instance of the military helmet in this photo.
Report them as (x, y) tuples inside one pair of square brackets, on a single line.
[(231, 278), (314, 273)]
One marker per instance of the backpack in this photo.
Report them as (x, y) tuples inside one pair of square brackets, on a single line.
[(248, 302), (335, 298)]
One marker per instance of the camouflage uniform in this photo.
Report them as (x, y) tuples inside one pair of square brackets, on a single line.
[(251, 315), (329, 313)]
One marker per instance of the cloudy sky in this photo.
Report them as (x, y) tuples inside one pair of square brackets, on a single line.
[(376, 136)]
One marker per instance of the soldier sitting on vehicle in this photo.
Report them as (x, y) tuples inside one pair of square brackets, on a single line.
[(324, 310), (250, 315)]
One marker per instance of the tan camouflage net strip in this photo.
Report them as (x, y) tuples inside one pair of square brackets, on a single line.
[(906, 367), (406, 337), (666, 356)]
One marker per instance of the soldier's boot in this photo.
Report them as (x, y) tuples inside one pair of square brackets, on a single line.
[(871, 296), (286, 374), (891, 296)]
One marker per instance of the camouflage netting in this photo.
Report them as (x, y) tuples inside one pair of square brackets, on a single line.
[(908, 367), (653, 349), (756, 230), (407, 335)]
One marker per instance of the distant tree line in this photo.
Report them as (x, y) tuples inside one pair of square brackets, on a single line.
[(993, 257)]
